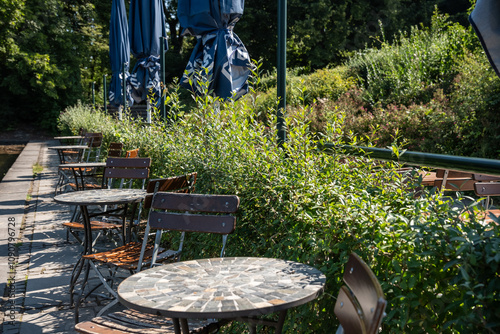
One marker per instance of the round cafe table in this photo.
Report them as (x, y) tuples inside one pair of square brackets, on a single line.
[(100, 197), (222, 288), (61, 151)]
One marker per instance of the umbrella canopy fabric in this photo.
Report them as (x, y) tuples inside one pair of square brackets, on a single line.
[(219, 55), (119, 51), (146, 25), (485, 19)]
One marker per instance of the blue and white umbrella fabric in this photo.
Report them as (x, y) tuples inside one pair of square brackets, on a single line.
[(119, 52), (146, 26), (485, 19), (219, 55)]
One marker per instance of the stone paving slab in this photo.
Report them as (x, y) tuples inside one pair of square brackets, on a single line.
[(37, 301)]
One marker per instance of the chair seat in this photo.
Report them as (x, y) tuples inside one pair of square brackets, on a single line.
[(94, 225), (127, 256), (86, 186), (70, 152), (130, 321)]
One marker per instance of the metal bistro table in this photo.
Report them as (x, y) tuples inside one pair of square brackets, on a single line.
[(80, 169), (100, 197), (62, 148), (70, 139), (240, 288)]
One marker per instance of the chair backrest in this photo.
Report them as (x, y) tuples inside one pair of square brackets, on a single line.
[(191, 213), (94, 141), (361, 304), (125, 168), (487, 188), (115, 150), (486, 185), (178, 184), (452, 180), (132, 153)]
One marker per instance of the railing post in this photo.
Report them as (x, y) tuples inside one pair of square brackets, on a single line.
[(281, 84), (105, 94)]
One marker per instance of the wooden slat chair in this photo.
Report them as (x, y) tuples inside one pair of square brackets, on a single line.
[(452, 180), (117, 171), (93, 140), (360, 305), (487, 186), (169, 212), (85, 179), (115, 150), (132, 153), (127, 257)]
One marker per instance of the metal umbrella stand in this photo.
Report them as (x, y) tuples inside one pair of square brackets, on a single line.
[(219, 57)]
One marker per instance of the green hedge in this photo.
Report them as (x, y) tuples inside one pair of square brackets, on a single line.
[(440, 274)]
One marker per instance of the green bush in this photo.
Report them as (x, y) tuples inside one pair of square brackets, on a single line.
[(415, 66), (438, 272)]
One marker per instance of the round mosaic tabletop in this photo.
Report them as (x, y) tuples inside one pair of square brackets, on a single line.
[(221, 287), (68, 137), (101, 197), (83, 165), (68, 147)]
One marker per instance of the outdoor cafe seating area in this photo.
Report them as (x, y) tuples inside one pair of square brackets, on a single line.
[(120, 215)]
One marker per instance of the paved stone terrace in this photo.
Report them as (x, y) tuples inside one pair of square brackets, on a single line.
[(35, 254)]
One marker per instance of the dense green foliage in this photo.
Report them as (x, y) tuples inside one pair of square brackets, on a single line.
[(52, 51), (431, 89), (440, 274)]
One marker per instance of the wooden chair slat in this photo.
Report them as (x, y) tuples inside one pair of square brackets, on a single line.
[(94, 327), (347, 313), (453, 174), (361, 304), (364, 284), (128, 162), (130, 321), (196, 202), (456, 184), (192, 222), (487, 188), (177, 184), (132, 153), (115, 150), (126, 173)]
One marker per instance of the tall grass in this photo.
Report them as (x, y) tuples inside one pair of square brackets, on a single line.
[(415, 66)]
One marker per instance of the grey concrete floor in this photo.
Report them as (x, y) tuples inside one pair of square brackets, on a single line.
[(36, 257)]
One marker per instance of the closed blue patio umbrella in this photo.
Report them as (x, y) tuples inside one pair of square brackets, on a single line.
[(485, 19), (218, 50), (146, 26), (119, 52)]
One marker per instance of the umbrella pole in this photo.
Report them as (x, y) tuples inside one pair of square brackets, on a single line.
[(105, 98), (281, 84), (124, 88), (93, 94), (162, 79)]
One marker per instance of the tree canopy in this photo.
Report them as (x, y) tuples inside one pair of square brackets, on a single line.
[(52, 50)]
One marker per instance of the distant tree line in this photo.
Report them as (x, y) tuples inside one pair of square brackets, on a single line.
[(52, 50)]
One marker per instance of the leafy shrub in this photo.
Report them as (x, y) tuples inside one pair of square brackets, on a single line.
[(415, 66), (303, 205)]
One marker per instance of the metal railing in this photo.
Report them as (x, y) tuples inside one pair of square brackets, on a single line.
[(443, 161)]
